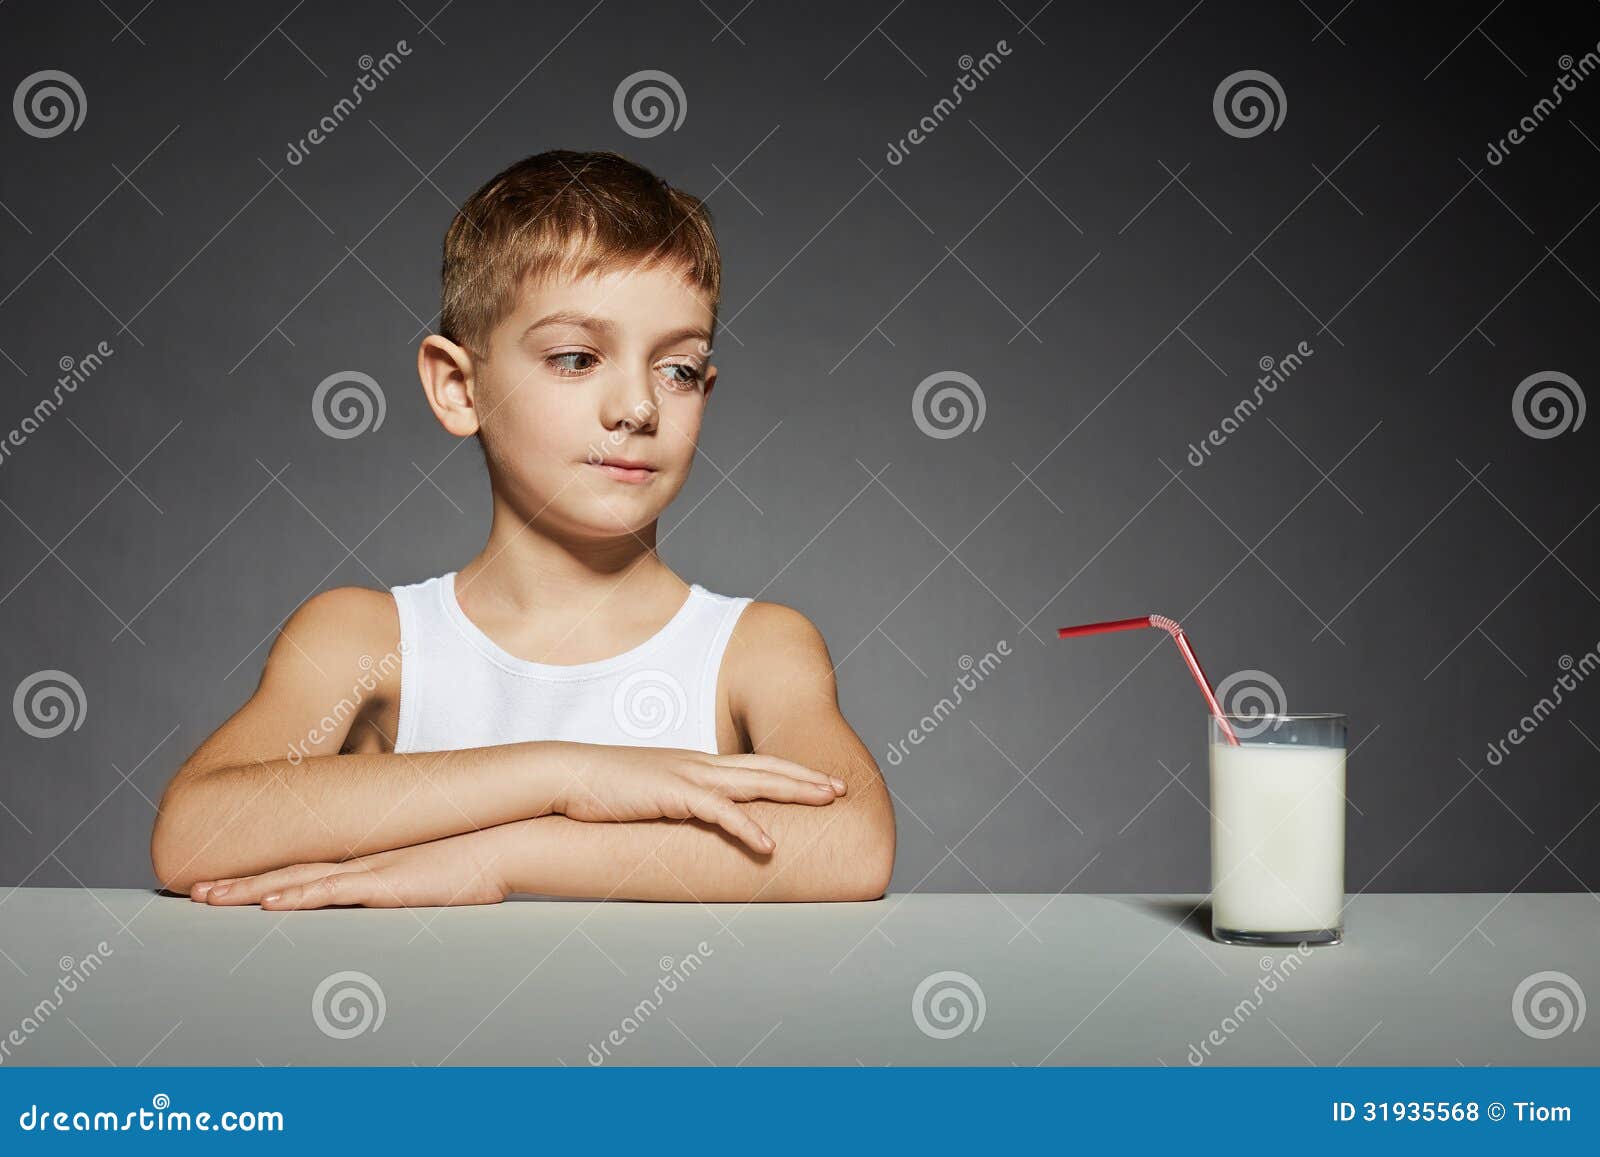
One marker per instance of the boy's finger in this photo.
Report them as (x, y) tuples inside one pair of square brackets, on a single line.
[(250, 889), (337, 888), (770, 785), (777, 764), (732, 818)]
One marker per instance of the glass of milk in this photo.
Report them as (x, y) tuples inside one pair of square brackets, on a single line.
[(1277, 829)]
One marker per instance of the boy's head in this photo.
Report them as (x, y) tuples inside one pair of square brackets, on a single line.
[(580, 300)]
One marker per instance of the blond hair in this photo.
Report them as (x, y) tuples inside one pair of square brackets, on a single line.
[(565, 213)]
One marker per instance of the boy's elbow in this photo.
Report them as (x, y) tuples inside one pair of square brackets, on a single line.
[(879, 849), (870, 868), (871, 881), (858, 887), (169, 863), (175, 863)]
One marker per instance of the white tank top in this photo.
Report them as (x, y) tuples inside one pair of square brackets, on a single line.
[(459, 689)]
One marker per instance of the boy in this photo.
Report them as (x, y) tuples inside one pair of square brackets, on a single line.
[(564, 715)]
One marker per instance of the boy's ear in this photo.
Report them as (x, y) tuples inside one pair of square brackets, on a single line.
[(449, 381)]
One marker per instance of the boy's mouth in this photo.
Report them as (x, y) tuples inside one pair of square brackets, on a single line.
[(625, 469)]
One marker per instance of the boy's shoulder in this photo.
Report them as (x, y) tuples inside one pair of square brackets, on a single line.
[(337, 629), (774, 649), (776, 623), (357, 613)]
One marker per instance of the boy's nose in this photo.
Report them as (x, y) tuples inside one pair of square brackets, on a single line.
[(632, 402)]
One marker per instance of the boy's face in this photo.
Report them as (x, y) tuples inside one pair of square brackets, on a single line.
[(591, 399)]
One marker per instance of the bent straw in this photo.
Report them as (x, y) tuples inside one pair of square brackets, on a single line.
[(1161, 622)]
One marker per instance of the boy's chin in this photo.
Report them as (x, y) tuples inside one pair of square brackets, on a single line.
[(619, 520)]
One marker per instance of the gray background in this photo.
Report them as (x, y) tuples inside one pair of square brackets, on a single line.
[(158, 528)]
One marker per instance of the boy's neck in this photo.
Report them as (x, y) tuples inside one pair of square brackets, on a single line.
[(525, 565)]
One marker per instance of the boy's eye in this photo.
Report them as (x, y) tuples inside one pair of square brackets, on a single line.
[(680, 376), (563, 362), (683, 376)]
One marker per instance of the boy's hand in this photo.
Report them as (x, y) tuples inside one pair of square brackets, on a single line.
[(616, 783), (456, 870)]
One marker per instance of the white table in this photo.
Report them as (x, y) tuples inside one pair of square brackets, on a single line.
[(1065, 980)]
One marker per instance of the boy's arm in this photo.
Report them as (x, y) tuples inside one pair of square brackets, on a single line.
[(269, 786), (270, 789), (783, 693)]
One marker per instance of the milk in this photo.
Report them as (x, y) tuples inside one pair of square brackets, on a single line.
[(1277, 838)]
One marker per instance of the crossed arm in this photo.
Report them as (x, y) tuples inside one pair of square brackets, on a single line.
[(475, 825), (843, 851)]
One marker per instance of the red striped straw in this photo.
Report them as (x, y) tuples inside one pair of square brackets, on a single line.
[(1161, 622)]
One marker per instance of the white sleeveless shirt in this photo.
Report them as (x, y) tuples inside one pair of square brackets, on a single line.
[(460, 689)]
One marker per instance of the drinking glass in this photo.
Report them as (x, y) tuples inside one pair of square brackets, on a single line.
[(1277, 829)]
